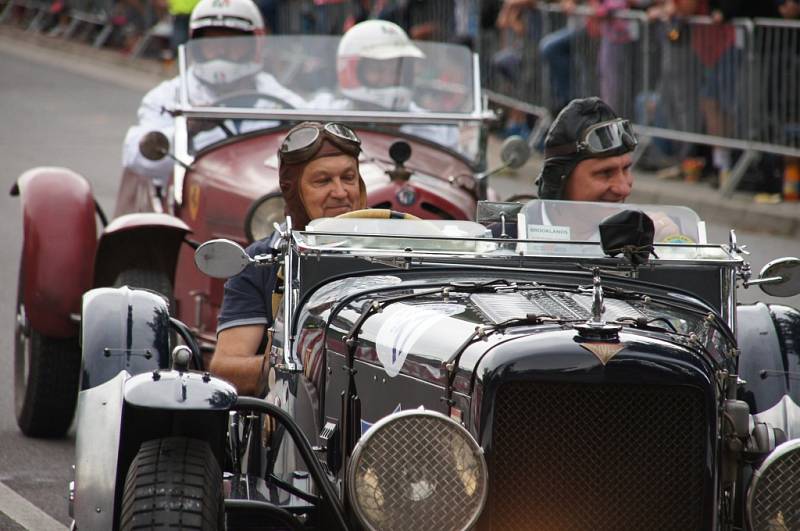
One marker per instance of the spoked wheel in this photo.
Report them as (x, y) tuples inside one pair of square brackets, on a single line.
[(46, 377), (173, 483)]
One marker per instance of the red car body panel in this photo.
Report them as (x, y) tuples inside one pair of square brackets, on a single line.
[(60, 238)]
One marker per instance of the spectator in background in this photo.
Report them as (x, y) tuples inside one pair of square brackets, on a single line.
[(719, 100), (517, 28), (180, 10), (329, 16), (718, 58), (615, 59), (418, 18), (556, 50), (269, 12), (790, 10)]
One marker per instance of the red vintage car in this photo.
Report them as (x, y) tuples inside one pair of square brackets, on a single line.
[(425, 158)]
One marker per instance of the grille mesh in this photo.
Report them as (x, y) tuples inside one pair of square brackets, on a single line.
[(776, 500), (596, 457), (418, 473)]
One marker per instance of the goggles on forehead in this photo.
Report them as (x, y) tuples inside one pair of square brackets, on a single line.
[(303, 143), (605, 139)]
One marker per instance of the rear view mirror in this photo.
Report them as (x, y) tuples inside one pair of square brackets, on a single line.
[(496, 211), (490, 213), (781, 277), (515, 152), (154, 145), (221, 258)]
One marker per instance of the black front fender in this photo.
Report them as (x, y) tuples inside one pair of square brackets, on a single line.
[(123, 329), (769, 340)]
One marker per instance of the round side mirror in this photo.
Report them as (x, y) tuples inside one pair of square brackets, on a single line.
[(221, 258), (154, 145), (515, 151), (785, 269)]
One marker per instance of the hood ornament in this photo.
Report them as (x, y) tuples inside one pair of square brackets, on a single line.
[(596, 328), (604, 351)]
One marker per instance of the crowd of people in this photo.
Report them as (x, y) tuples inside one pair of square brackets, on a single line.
[(547, 52), (698, 79)]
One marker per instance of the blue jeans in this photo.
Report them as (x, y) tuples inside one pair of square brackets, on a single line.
[(556, 49)]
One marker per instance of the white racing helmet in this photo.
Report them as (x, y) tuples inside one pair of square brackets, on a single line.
[(238, 16), (376, 40)]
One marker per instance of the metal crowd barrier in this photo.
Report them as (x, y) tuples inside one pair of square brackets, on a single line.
[(733, 85), (82, 16), (34, 11), (329, 17)]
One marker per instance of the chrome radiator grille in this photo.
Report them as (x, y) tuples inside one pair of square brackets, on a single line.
[(596, 457)]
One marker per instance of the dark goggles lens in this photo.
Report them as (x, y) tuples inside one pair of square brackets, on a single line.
[(606, 139), (300, 139), (343, 132), (301, 144), (609, 136)]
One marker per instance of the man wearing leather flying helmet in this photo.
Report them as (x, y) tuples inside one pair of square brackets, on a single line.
[(588, 158), (319, 177), (587, 154)]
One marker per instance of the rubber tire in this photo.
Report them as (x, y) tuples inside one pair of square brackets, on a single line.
[(44, 401), (150, 279), (173, 483)]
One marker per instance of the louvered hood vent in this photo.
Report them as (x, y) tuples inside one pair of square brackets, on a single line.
[(500, 307)]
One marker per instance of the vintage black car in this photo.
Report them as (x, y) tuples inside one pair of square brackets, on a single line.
[(426, 375)]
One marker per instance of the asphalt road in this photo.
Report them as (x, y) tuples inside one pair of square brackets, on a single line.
[(56, 110)]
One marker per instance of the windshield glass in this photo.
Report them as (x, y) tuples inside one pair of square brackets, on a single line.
[(579, 221), (302, 72), (560, 229)]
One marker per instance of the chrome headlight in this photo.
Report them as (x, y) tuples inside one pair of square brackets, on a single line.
[(261, 215), (773, 501), (417, 470)]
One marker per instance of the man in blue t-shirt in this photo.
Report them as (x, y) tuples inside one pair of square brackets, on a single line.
[(319, 177)]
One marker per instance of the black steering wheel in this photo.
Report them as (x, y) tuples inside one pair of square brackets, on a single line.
[(242, 98), (377, 213), (250, 96)]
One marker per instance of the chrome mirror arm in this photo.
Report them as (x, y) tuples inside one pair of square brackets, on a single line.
[(291, 363), (767, 280)]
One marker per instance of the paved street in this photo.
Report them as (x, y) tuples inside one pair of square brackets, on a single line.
[(56, 110), (56, 113)]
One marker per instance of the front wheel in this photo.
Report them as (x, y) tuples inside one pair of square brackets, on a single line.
[(173, 483), (152, 280), (46, 378)]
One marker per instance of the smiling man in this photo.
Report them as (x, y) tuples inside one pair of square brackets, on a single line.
[(588, 158), (319, 177), (588, 154)]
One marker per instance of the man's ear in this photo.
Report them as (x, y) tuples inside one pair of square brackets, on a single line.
[(300, 196), (362, 201)]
